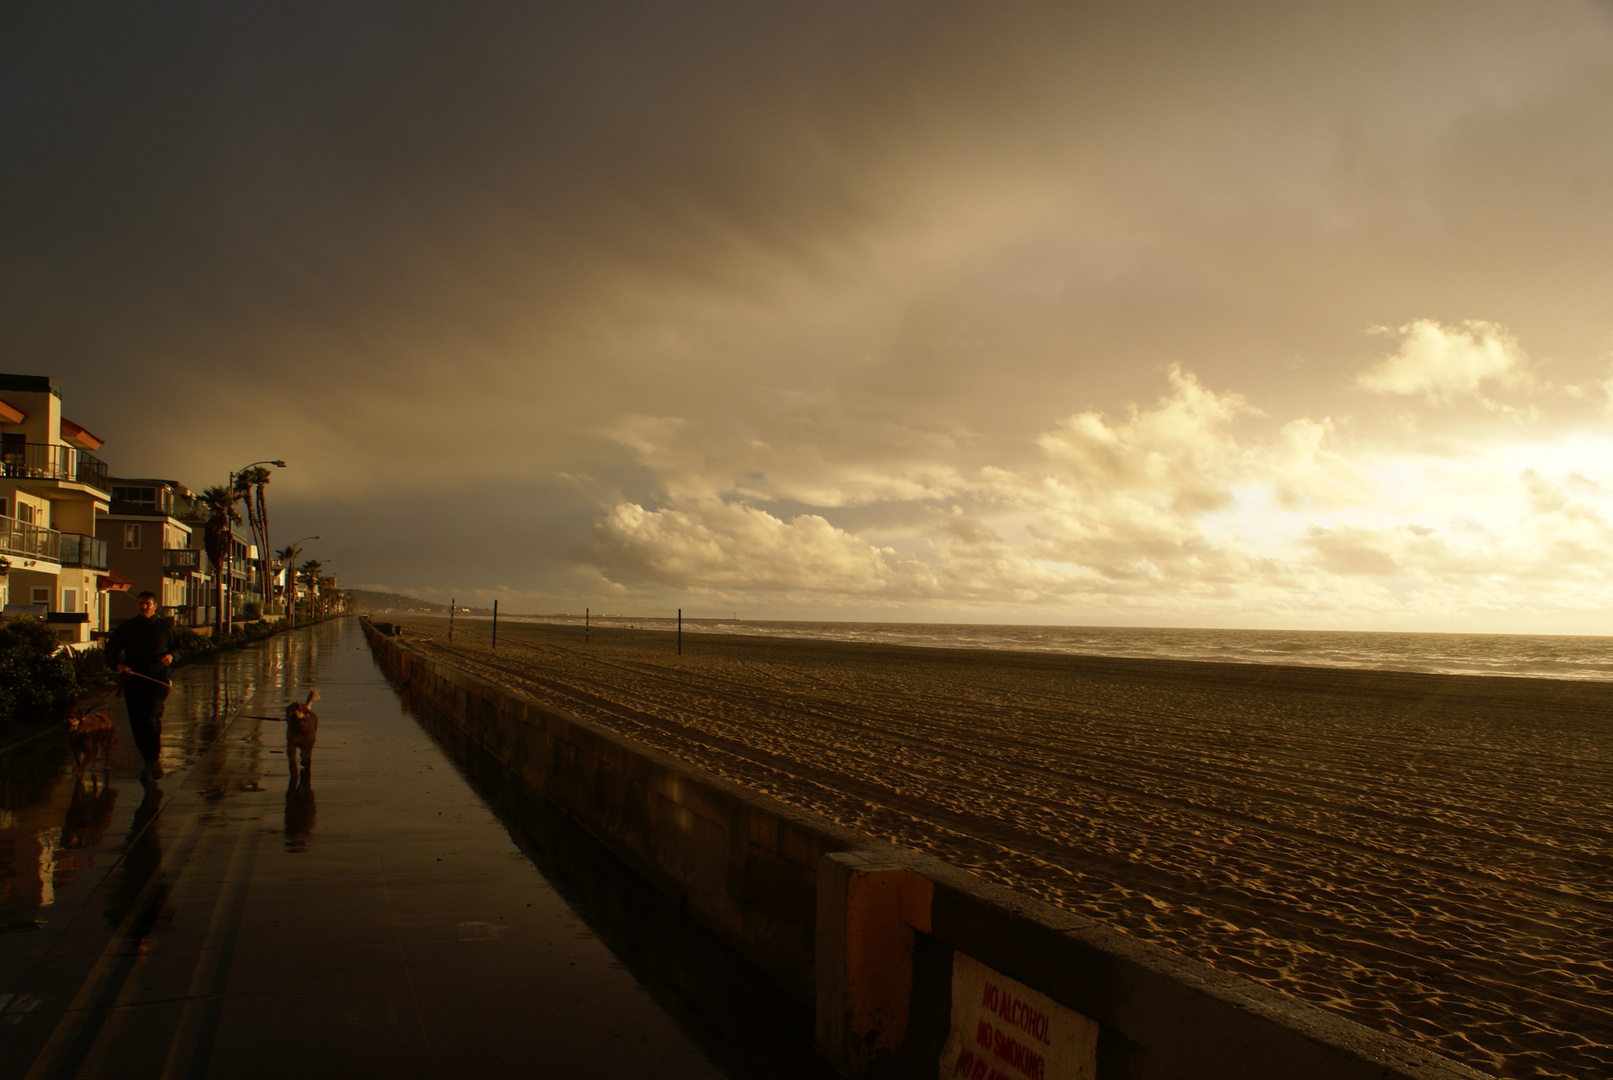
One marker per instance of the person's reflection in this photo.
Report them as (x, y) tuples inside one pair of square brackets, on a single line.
[(141, 893), (300, 811)]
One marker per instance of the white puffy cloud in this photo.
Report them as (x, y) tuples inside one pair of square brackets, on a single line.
[(717, 546), (1150, 497), (1176, 458), (1198, 508), (1444, 362)]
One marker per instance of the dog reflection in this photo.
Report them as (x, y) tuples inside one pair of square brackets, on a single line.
[(302, 726), (300, 811), (89, 812)]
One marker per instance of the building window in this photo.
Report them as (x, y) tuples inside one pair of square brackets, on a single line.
[(70, 600), (41, 596), (3, 508), (25, 512), (131, 536), (141, 496)]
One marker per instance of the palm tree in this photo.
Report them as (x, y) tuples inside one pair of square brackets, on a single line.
[(288, 559), (249, 487), (218, 502)]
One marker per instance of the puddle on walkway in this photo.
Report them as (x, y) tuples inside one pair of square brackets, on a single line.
[(745, 1024), (374, 918)]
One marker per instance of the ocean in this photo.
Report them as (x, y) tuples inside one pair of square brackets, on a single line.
[(1540, 656)]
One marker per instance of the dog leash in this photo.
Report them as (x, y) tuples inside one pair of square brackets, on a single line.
[(95, 702), (148, 678)]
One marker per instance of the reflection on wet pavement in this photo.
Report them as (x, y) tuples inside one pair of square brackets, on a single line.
[(300, 812), (390, 928)]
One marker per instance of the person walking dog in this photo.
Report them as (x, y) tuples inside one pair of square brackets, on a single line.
[(142, 649)]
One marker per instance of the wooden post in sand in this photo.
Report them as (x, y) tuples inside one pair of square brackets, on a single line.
[(451, 604), (585, 614), (680, 631), (495, 626)]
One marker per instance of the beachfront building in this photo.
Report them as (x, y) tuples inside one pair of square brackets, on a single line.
[(149, 541), (330, 597), (319, 596), (53, 492), (242, 587), (245, 587), (282, 579)]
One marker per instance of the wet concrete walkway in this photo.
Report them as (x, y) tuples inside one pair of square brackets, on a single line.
[(378, 921)]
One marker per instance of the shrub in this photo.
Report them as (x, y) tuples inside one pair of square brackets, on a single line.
[(252, 611), (37, 676), (89, 668), (193, 646)]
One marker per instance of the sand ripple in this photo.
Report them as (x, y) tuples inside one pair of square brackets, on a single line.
[(1429, 855)]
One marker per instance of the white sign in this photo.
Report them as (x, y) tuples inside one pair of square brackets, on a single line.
[(1004, 1030)]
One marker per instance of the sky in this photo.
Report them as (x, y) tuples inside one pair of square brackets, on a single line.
[(1241, 315)]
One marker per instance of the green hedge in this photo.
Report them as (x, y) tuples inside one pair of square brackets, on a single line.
[(194, 646)]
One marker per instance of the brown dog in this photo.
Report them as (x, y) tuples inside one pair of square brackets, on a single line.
[(89, 734), (302, 725)]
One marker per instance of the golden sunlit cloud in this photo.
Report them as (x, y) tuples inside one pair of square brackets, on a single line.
[(1441, 362), (1196, 508)]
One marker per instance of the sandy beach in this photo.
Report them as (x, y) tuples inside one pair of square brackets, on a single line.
[(1429, 855)]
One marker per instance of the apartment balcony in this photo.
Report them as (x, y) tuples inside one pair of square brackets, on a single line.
[(150, 498), (181, 562), (41, 461), (31, 541), (83, 551)]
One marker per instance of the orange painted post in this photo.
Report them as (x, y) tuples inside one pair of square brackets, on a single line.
[(868, 910)]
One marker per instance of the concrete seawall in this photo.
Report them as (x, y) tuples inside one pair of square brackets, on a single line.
[(911, 965)]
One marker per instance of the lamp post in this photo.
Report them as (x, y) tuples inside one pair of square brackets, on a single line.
[(229, 543), (291, 577)]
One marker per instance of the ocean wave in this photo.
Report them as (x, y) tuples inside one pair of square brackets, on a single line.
[(1517, 655)]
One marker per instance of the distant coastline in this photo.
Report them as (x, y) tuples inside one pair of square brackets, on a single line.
[(390, 603)]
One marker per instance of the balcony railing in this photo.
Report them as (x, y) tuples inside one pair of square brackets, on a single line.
[(29, 540), (143, 498), (161, 501), (84, 551), (41, 461), (180, 562)]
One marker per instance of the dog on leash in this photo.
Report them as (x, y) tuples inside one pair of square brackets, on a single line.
[(302, 726), (90, 734)]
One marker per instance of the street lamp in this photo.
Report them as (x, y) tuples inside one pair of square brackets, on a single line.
[(225, 599), (291, 577)]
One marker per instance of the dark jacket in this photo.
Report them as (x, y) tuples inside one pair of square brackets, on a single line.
[(139, 642)]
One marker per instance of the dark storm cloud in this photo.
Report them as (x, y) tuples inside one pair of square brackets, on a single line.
[(834, 256), (361, 157)]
